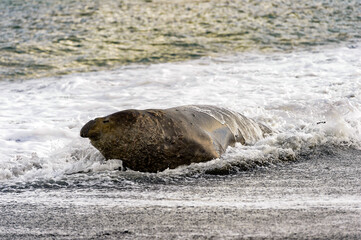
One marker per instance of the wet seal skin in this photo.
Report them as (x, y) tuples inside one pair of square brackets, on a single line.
[(153, 140)]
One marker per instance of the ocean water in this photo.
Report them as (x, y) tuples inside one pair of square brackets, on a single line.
[(294, 67), (55, 37)]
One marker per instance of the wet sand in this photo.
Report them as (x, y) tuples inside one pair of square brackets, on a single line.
[(313, 198)]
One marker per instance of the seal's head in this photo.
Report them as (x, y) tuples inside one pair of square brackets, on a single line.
[(99, 127), (89, 130), (107, 132)]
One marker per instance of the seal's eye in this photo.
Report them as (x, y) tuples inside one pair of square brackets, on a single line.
[(106, 121)]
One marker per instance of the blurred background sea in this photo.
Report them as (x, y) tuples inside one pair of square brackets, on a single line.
[(41, 38)]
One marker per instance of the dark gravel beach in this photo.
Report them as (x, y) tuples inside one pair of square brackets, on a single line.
[(317, 198)]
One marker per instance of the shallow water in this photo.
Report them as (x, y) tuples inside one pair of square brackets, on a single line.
[(309, 99)]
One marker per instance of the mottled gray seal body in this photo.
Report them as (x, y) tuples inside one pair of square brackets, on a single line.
[(154, 139)]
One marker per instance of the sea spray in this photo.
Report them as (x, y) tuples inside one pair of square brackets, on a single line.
[(311, 100)]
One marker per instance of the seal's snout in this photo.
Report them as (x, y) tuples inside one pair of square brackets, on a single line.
[(85, 129)]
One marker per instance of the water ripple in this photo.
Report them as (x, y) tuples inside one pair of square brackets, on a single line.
[(47, 38)]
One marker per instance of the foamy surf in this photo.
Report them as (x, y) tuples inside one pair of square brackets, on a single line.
[(309, 99)]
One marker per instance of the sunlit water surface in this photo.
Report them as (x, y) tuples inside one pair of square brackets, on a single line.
[(56, 37)]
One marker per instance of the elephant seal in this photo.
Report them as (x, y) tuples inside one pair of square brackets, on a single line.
[(153, 140)]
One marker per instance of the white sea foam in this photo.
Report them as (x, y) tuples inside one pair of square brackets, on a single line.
[(290, 92)]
